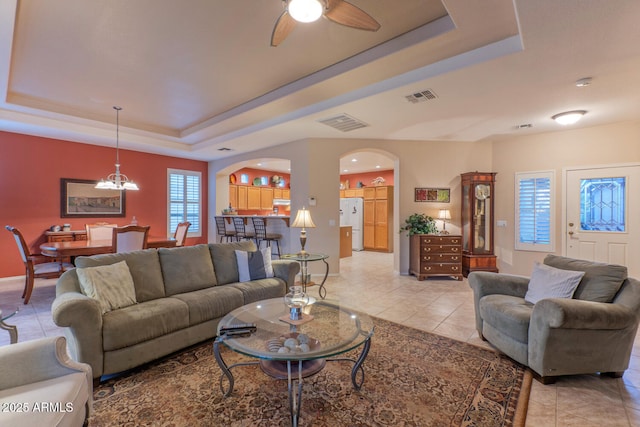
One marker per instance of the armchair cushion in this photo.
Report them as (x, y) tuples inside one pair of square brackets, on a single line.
[(601, 281), (111, 285), (551, 282)]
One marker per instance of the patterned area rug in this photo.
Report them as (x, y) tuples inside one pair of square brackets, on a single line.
[(412, 378)]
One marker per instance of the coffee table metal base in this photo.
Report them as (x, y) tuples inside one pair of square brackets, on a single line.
[(295, 399)]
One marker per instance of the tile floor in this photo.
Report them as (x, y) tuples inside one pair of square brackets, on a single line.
[(443, 307)]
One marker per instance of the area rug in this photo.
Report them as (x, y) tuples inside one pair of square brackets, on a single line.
[(412, 378)]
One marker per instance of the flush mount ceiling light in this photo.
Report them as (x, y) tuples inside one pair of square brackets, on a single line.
[(305, 10), (569, 117), (117, 180)]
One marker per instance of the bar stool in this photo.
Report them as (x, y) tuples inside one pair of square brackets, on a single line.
[(241, 231), (221, 226), (260, 228)]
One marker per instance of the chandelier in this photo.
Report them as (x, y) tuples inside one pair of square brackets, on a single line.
[(117, 180)]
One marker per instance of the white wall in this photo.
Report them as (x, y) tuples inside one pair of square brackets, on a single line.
[(315, 171), (603, 145)]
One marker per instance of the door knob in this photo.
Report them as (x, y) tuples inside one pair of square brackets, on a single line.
[(571, 233)]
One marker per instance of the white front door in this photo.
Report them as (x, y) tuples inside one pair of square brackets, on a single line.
[(603, 215)]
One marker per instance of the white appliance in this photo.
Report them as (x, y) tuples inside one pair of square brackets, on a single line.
[(351, 213)]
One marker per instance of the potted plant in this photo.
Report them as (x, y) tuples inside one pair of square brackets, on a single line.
[(419, 224)]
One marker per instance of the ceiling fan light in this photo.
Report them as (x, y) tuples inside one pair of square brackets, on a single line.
[(305, 10), (569, 117)]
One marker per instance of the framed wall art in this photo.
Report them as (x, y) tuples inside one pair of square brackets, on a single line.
[(80, 199), (440, 195)]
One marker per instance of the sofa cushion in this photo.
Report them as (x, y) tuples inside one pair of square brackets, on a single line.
[(111, 285), (211, 303), (144, 267), (143, 322), (187, 268), (224, 259), (550, 282), (254, 265), (601, 282), (257, 290), (508, 314)]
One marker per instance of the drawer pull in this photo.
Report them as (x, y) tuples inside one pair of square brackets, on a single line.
[(454, 258), (454, 249), (427, 268), (454, 268)]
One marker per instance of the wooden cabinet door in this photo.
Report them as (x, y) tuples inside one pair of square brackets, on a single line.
[(359, 192), (277, 193), (382, 192), (381, 225), (286, 193), (233, 196), (369, 193), (253, 198), (368, 224), (242, 197), (266, 198)]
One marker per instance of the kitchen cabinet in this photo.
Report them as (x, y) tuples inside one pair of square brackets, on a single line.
[(233, 196), (253, 198), (378, 218), (266, 198), (242, 197)]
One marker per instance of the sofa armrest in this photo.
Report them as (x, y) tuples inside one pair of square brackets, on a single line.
[(82, 315), (569, 313), (286, 270), (487, 283), (29, 362)]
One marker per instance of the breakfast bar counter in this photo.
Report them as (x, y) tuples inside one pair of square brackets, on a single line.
[(267, 218)]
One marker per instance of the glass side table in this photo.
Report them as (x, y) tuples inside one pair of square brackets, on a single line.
[(303, 259), (13, 330)]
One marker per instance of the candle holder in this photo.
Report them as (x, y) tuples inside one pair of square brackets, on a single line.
[(296, 300)]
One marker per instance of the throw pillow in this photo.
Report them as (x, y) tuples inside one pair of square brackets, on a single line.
[(550, 282), (112, 285), (254, 265)]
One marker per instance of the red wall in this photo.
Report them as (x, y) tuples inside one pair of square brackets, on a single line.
[(367, 177), (30, 172)]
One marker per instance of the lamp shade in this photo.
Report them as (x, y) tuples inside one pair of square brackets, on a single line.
[(444, 214), (569, 117), (303, 219)]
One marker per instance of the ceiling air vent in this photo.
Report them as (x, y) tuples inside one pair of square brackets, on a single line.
[(422, 96), (343, 122), (225, 149)]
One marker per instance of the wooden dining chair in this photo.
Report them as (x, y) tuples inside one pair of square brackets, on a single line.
[(130, 238), (181, 233), (99, 231), (36, 266), (223, 232)]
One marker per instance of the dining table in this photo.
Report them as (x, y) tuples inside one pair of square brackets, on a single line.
[(95, 247)]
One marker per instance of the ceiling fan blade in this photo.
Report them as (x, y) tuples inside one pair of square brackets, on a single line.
[(344, 13), (284, 25)]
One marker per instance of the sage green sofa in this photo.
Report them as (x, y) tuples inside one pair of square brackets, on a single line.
[(181, 293), (591, 332)]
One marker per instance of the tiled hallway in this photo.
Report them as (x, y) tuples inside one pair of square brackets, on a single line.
[(440, 306)]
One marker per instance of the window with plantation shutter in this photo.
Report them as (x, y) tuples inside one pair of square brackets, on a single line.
[(184, 201), (534, 208)]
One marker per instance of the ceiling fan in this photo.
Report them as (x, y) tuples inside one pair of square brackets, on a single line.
[(338, 11)]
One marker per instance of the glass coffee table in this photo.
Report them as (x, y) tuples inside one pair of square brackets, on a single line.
[(327, 329)]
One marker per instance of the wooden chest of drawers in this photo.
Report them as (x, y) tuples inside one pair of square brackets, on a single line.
[(435, 255)]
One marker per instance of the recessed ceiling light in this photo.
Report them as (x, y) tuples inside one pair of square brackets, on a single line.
[(354, 160), (345, 170), (569, 117), (259, 164), (377, 166)]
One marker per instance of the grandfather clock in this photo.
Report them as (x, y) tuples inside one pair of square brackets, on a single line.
[(477, 222)]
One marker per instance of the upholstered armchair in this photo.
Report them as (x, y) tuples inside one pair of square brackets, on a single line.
[(590, 331), (41, 386)]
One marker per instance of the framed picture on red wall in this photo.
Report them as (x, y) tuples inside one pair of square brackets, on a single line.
[(80, 199)]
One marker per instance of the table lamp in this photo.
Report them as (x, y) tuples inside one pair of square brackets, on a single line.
[(303, 220), (444, 215)]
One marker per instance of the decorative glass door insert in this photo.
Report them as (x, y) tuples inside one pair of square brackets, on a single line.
[(602, 204)]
